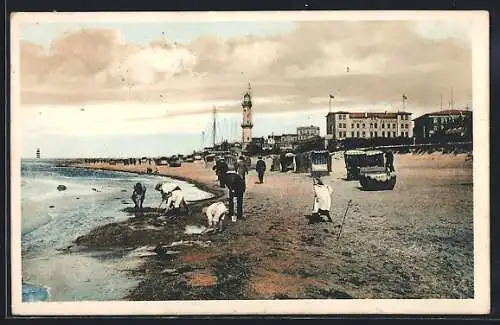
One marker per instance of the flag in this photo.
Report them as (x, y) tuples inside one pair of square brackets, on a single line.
[(331, 96), (404, 97)]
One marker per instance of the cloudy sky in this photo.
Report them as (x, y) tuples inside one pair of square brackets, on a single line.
[(148, 88)]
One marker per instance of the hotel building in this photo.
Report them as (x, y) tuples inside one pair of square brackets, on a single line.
[(341, 125), (306, 132)]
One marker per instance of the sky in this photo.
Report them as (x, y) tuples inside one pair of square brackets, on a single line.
[(114, 89)]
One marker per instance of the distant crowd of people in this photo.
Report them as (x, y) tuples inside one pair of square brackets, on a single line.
[(234, 180)]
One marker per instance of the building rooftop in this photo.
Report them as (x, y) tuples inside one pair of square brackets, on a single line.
[(447, 112), (371, 114)]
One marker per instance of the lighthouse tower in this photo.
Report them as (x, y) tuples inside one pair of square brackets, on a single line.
[(246, 124)]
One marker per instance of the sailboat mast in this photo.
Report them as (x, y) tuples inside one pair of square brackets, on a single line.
[(214, 126)]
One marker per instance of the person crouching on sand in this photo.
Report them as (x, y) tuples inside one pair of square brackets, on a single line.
[(216, 213), (139, 195), (322, 199), (174, 196)]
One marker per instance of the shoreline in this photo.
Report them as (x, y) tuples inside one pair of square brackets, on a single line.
[(110, 235), (214, 190), (273, 253)]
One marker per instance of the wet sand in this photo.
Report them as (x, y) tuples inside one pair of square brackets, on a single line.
[(413, 242)]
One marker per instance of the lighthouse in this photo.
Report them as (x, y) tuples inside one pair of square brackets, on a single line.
[(246, 124)]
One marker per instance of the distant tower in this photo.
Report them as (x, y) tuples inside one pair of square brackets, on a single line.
[(38, 153), (246, 124)]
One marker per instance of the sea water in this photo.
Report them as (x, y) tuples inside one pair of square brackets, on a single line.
[(51, 220)]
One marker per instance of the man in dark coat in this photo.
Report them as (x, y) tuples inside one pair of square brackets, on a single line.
[(389, 161), (220, 168), (242, 168), (139, 195), (236, 187), (260, 167)]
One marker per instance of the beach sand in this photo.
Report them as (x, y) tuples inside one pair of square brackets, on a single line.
[(413, 242)]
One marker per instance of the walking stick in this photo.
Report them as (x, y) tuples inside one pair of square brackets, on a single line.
[(343, 219), (160, 205)]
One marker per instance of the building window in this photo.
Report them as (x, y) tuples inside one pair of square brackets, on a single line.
[(406, 126), (375, 125), (357, 134), (364, 134), (383, 134), (402, 126), (352, 134), (371, 125), (352, 125), (383, 125), (402, 134), (371, 134), (357, 125), (394, 133), (376, 134), (345, 126), (363, 125)]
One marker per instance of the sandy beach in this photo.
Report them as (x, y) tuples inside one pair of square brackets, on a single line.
[(413, 242)]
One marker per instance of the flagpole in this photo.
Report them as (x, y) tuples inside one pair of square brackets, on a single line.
[(330, 102)]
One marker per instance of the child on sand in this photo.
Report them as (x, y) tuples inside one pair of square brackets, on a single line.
[(139, 195), (174, 196), (216, 214), (322, 199)]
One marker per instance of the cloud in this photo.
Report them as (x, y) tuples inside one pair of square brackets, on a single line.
[(361, 62)]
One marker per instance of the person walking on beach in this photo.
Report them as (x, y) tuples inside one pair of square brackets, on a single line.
[(242, 168), (139, 195), (389, 161), (221, 168), (260, 167), (236, 186), (216, 214), (322, 199), (173, 194)]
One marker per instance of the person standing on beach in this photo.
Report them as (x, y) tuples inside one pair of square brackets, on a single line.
[(174, 196), (260, 167), (216, 214), (389, 161), (236, 186), (139, 195), (322, 199), (242, 168), (221, 168)]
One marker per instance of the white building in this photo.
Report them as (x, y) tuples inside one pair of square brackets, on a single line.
[(341, 125)]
